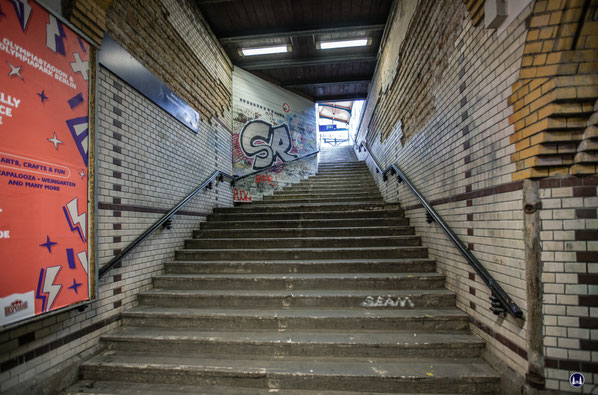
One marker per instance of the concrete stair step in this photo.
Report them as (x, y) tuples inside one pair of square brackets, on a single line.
[(332, 199), (360, 344), (306, 223), (130, 388), (346, 206), (301, 253), (297, 318), (345, 180), (298, 266), (313, 195), (299, 373), (302, 189), (404, 299), (305, 232), (302, 281), (303, 242), (296, 214)]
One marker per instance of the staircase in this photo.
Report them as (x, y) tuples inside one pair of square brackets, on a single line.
[(321, 288)]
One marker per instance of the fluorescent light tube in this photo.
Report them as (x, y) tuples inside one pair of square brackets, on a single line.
[(344, 43), (264, 50)]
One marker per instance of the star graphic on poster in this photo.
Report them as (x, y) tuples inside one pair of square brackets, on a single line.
[(43, 96), (82, 174), (14, 70), (75, 285), (80, 66), (55, 141), (48, 244)]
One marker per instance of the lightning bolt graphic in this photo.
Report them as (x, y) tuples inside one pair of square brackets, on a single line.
[(83, 259), (47, 278), (55, 36), (23, 10), (76, 221)]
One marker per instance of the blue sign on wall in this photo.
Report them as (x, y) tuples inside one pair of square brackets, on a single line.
[(116, 59), (327, 128)]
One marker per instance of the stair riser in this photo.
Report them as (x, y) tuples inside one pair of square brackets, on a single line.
[(262, 268), (308, 215), (233, 301), (333, 196), (271, 380), (402, 283), (338, 183), (365, 199), (304, 208), (304, 190), (235, 322), (314, 232), (298, 349), (253, 244), (390, 253), (357, 222)]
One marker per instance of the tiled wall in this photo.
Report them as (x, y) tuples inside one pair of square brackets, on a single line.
[(147, 161), (444, 121), (447, 119)]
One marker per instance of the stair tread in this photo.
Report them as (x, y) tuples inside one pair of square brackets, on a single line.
[(128, 388), (307, 249), (458, 369), (292, 276), (403, 338), (297, 293), (298, 312), (332, 229), (307, 238), (310, 261)]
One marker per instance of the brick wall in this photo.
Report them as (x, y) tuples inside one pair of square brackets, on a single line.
[(556, 91), (570, 279), (146, 162), (444, 121), (470, 117)]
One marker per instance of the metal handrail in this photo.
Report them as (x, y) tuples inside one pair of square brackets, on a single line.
[(164, 221), (237, 178), (500, 300)]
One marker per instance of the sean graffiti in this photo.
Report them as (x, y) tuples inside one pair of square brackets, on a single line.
[(240, 195), (265, 143), (387, 301)]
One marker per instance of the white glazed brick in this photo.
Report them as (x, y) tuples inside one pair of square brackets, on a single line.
[(434, 161)]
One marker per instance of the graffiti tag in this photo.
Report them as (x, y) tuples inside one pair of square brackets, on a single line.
[(265, 144), (239, 195), (387, 301), (264, 178)]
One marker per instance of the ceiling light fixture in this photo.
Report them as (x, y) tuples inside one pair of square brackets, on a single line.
[(344, 43), (265, 50)]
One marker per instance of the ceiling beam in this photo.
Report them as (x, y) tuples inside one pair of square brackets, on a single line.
[(203, 2), (322, 84), (341, 97), (302, 33), (284, 63)]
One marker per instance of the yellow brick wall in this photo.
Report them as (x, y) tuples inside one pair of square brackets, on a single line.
[(556, 92)]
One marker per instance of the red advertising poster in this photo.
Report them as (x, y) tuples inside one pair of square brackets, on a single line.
[(44, 108)]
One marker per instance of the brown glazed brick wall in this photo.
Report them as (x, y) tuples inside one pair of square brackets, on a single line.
[(556, 92), (144, 29), (147, 161)]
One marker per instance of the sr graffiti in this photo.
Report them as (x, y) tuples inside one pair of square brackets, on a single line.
[(264, 143)]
